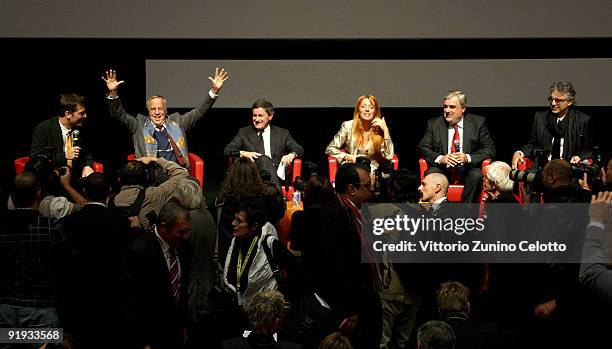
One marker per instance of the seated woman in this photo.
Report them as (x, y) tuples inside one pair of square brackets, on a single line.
[(242, 181), (367, 135), (255, 252)]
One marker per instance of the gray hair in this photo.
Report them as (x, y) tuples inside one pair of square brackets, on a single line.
[(565, 87), (498, 172), (170, 212), (266, 307), (459, 94), (188, 193), (436, 335), (156, 96)]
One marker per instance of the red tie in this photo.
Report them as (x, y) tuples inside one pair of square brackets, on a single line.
[(455, 138), (175, 277)]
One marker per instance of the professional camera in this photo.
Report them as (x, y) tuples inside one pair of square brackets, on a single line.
[(383, 186), (309, 169), (592, 168), (532, 179)]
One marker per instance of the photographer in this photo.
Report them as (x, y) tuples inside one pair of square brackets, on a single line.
[(54, 183), (136, 196), (555, 290)]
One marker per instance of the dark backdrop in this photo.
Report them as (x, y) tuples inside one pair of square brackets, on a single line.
[(36, 71)]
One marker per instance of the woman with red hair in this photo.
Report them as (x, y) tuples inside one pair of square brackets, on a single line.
[(367, 135)]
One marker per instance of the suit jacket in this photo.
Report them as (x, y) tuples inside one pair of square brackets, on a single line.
[(344, 140), (477, 141), (281, 143), (153, 316), (577, 135), (136, 124), (98, 237), (49, 134)]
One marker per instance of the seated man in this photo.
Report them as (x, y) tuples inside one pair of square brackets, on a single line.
[(159, 134), (269, 146), (457, 143), (562, 132), (58, 137)]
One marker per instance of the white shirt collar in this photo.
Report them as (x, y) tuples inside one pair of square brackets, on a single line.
[(459, 124), (95, 203), (164, 244), (64, 129)]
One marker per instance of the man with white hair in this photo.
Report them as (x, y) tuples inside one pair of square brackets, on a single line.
[(497, 183)]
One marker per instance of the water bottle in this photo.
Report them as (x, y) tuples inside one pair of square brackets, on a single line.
[(297, 198)]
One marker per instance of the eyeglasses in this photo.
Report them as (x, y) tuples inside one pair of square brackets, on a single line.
[(557, 100)]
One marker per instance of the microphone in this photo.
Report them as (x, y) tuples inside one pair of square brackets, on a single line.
[(75, 138), (457, 145)]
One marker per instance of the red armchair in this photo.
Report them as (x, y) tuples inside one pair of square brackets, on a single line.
[(333, 166), (454, 190), (22, 161), (196, 166)]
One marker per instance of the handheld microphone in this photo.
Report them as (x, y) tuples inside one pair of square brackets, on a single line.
[(75, 138), (457, 145)]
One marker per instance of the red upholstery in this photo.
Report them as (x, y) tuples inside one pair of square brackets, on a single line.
[(196, 166), (21, 162), (333, 166), (454, 190)]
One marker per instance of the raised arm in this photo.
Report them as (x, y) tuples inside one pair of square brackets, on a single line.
[(116, 108)]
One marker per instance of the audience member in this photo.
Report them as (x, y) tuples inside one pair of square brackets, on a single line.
[(435, 335), (156, 278), (454, 308), (335, 340)]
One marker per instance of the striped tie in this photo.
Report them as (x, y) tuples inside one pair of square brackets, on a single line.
[(175, 277)]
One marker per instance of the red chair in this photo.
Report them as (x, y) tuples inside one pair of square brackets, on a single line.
[(21, 162), (196, 166), (333, 166), (454, 190)]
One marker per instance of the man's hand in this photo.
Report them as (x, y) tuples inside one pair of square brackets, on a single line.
[(516, 159), (251, 155), (73, 153), (87, 170), (134, 222), (599, 211), (147, 159), (348, 325), (110, 78), (544, 310), (218, 80), (66, 177), (575, 159), (287, 159), (448, 160), (460, 158)]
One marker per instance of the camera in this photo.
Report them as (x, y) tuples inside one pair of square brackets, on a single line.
[(383, 186), (309, 169)]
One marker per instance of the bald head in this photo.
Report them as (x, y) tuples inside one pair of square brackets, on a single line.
[(557, 173), (433, 187)]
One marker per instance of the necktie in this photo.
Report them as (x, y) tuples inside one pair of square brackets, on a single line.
[(69, 146), (175, 277), (259, 147), (455, 138), (180, 159)]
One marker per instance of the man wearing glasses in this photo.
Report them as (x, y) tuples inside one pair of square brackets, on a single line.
[(563, 132)]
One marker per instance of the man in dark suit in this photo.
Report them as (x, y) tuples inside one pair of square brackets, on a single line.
[(456, 145), (99, 238), (562, 132), (155, 296), (58, 134), (269, 146)]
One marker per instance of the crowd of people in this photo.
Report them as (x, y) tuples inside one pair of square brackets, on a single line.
[(151, 266)]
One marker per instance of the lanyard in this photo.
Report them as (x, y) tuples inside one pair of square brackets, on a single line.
[(240, 267)]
